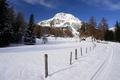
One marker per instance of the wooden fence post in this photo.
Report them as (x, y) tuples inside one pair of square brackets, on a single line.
[(90, 48), (70, 58), (81, 51), (46, 65), (75, 54), (86, 50)]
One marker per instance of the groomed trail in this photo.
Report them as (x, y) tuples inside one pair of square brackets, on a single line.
[(101, 61)]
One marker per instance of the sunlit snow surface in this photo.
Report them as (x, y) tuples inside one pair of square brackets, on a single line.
[(27, 62)]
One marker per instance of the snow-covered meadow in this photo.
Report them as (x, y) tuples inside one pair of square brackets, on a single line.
[(101, 62)]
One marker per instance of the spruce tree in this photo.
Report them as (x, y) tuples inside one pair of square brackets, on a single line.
[(13, 22), (19, 28), (5, 24), (29, 37), (117, 31)]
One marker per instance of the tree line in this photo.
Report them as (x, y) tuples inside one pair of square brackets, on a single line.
[(100, 31)]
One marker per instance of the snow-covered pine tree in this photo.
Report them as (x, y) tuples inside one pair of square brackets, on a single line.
[(29, 37), (5, 24)]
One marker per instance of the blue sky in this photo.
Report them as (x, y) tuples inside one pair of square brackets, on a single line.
[(83, 9)]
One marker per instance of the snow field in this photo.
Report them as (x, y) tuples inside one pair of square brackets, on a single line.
[(28, 63)]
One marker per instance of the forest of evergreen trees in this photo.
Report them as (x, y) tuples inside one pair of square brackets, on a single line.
[(100, 31), (14, 29)]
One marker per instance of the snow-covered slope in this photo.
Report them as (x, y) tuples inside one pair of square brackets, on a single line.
[(63, 20)]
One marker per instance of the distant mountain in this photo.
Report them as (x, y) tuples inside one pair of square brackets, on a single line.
[(63, 20)]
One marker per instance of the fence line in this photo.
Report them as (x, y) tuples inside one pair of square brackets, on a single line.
[(71, 55)]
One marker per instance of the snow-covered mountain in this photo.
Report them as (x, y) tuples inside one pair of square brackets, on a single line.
[(63, 20), (60, 19)]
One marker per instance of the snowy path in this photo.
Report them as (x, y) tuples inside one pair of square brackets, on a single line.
[(102, 63)]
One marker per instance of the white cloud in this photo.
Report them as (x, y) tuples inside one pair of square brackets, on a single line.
[(112, 5), (106, 4), (41, 2)]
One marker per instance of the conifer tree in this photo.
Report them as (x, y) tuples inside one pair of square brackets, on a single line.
[(19, 28), (5, 24), (29, 37), (117, 31)]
